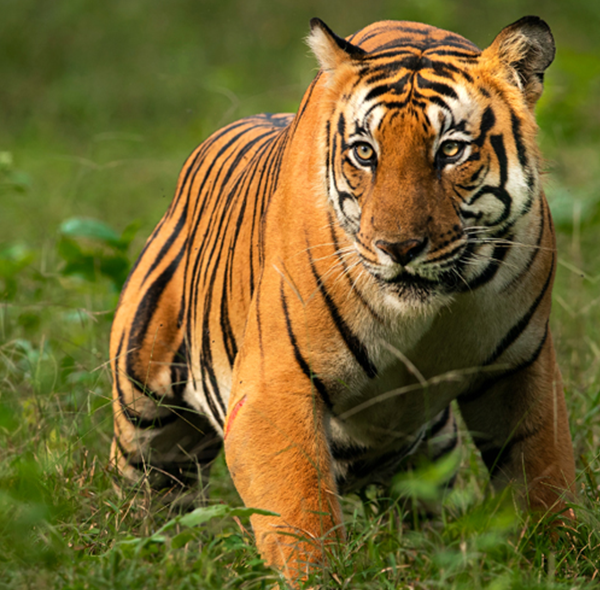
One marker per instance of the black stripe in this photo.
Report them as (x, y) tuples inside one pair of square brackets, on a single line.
[(452, 53), (450, 445), (440, 102), (143, 316), (498, 255), (520, 326), (179, 373), (448, 70), (377, 91), (134, 417), (328, 166), (353, 287), (346, 452), (438, 87), (500, 193), (209, 198), (274, 172), (199, 158), (536, 250), (399, 46), (353, 343), (495, 458), (475, 393), (318, 384), (530, 193), (439, 424), (216, 185), (488, 120), (208, 376), (521, 150), (447, 255), (212, 393), (168, 242), (215, 258), (341, 128), (131, 417)]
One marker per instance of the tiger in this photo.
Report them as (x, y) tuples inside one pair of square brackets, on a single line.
[(326, 286)]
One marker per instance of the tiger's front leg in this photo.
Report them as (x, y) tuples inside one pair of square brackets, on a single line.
[(275, 441), (279, 461), (519, 423)]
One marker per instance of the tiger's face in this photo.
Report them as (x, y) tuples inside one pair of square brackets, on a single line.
[(426, 166)]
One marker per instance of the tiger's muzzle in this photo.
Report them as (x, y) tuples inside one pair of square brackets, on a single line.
[(416, 268)]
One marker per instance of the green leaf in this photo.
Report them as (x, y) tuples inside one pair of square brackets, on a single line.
[(243, 512), (206, 513), (20, 181), (182, 538), (427, 482), (129, 233), (105, 255), (92, 229), (14, 258), (115, 268)]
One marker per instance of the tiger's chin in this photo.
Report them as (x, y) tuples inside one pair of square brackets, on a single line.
[(413, 294)]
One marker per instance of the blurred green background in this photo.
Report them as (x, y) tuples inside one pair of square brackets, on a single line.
[(100, 104)]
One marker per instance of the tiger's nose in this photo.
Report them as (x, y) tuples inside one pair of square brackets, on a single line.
[(402, 252)]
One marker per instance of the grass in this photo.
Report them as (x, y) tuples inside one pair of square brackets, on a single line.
[(99, 109)]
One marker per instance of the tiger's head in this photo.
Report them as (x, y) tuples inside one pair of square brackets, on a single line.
[(430, 147)]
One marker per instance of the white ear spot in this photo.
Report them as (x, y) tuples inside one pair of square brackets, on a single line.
[(321, 46), (329, 49), (526, 48)]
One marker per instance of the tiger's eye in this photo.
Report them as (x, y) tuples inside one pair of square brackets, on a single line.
[(364, 152), (451, 149)]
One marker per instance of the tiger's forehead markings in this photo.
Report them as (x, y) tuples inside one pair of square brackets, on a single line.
[(408, 74), (412, 92), (389, 37), (415, 72), (397, 52)]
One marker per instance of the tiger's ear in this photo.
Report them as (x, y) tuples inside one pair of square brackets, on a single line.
[(329, 49), (527, 48)]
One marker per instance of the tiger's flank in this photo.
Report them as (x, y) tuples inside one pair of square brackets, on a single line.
[(324, 284)]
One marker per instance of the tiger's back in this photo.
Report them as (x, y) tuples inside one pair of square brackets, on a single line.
[(325, 284)]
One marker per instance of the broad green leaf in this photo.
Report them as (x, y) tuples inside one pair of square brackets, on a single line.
[(206, 513), (14, 258), (182, 538), (93, 229), (427, 482), (129, 233)]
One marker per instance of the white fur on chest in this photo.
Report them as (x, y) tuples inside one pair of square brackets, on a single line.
[(423, 362)]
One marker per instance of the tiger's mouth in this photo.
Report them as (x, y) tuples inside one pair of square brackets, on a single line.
[(416, 286), (424, 282)]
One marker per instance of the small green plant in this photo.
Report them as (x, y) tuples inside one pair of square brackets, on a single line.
[(11, 178), (91, 248)]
